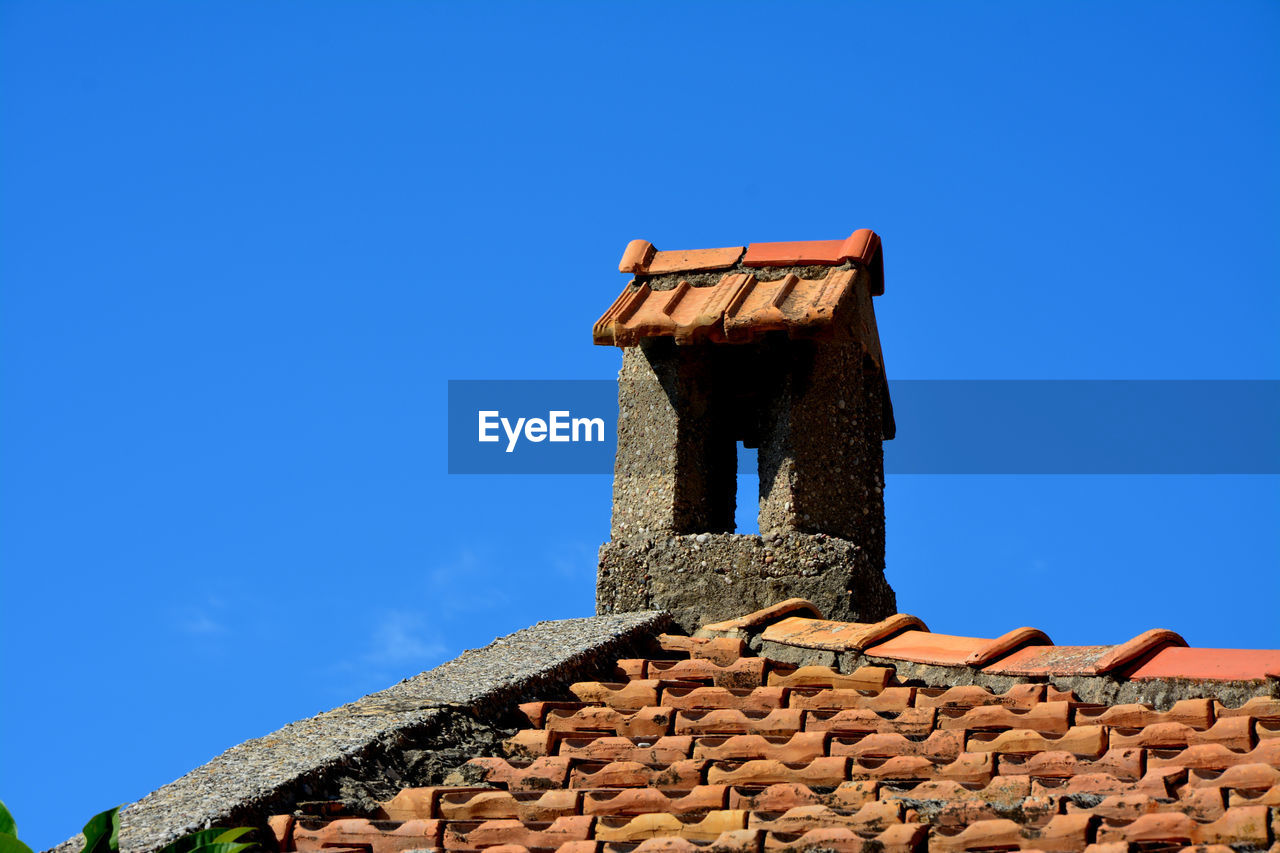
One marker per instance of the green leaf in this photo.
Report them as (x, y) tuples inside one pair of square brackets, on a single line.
[(205, 838), (223, 847), (102, 832), (10, 844), (7, 824), (187, 843), (233, 834)]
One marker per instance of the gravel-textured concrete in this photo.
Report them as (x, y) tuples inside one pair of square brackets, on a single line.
[(396, 737), (707, 577)]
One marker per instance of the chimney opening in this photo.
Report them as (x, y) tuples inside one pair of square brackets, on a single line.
[(747, 504)]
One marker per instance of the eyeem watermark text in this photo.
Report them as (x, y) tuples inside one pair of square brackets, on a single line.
[(558, 426), (1107, 427)]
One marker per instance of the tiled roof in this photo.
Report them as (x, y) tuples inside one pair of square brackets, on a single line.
[(718, 743), (725, 295)]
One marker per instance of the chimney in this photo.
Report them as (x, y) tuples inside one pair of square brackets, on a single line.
[(773, 345)]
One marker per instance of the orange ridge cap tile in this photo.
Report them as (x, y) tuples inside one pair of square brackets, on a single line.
[(642, 258), (838, 636), (636, 256), (756, 618), (862, 247), (1143, 644), (1209, 664), (1011, 641), (1050, 660), (794, 253), (689, 260), (949, 650)]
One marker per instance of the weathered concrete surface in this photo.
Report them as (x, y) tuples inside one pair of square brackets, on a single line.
[(707, 577), (1160, 693), (410, 734), (821, 458)]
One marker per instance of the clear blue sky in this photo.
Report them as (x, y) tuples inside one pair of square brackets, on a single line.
[(244, 245)]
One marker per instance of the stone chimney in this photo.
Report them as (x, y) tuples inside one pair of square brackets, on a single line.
[(773, 345)]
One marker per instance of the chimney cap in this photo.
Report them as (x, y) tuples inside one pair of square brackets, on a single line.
[(861, 248), (728, 298)]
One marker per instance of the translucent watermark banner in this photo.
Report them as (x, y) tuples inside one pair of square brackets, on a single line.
[(943, 427)]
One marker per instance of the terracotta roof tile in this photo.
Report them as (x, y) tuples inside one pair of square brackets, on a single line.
[(1063, 832), (645, 722), (861, 246), (744, 302), (640, 258), (947, 650), (787, 795), (660, 751), (1051, 718), (889, 700), (738, 308), (627, 695), (1126, 764), (413, 803), (781, 721), (1210, 664), (1080, 741), (801, 747), (1197, 713), (826, 772), (497, 804), (1259, 707), (721, 650), (869, 678), (635, 801), (677, 776), (1020, 696), (872, 817), (362, 834), (1051, 660), (741, 673), (937, 746), (658, 824), (851, 758), (837, 636), (911, 722), (708, 698)]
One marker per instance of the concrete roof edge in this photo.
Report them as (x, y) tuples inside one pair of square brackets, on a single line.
[(268, 775)]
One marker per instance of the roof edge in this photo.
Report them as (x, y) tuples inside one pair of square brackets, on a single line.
[(250, 782)]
